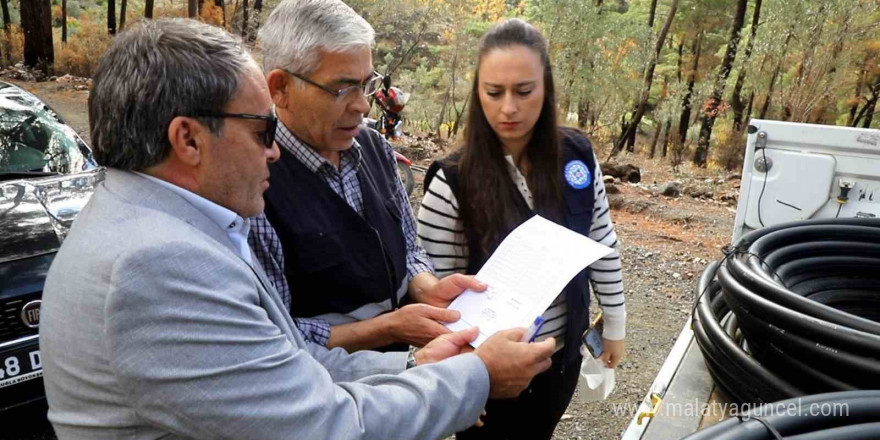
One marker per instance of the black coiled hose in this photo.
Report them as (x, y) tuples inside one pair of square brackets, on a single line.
[(852, 415), (794, 309)]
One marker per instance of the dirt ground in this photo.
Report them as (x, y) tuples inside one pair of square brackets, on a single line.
[(665, 243)]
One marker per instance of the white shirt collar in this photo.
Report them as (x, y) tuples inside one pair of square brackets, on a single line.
[(236, 227)]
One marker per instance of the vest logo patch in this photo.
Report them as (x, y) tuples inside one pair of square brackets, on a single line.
[(577, 174)]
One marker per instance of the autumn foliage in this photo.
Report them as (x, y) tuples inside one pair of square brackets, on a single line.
[(796, 60)]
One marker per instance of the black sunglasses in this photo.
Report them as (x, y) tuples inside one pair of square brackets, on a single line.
[(271, 123)]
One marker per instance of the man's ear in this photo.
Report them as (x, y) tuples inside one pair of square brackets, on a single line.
[(278, 81), (187, 138)]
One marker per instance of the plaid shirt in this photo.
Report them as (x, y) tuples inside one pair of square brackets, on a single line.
[(267, 248), (344, 182)]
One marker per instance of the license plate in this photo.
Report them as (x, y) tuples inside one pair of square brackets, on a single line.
[(20, 366)]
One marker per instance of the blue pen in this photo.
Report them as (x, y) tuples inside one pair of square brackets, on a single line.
[(533, 330)]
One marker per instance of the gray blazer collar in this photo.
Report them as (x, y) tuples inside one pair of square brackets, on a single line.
[(139, 191), (142, 192)]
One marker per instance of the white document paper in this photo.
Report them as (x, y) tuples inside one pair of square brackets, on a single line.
[(525, 274)]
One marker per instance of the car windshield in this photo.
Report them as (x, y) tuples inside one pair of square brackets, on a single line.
[(33, 139)]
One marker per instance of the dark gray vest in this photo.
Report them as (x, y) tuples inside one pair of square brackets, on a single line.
[(336, 260)]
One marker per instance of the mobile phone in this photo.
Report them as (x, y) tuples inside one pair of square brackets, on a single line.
[(592, 338)]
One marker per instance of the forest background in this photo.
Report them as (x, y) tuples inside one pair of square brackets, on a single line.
[(671, 79)]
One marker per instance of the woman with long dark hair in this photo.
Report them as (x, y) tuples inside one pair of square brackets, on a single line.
[(516, 162)]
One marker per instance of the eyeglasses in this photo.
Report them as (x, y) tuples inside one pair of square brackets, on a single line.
[(271, 123), (369, 87)]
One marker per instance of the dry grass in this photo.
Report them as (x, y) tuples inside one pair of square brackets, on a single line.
[(212, 14), (12, 45), (80, 55)]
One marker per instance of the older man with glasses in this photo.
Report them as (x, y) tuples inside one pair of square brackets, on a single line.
[(338, 237)]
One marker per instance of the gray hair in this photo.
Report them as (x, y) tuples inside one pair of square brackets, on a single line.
[(152, 73), (298, 29)]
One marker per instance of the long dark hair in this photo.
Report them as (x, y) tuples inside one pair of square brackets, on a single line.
[(488, 205)]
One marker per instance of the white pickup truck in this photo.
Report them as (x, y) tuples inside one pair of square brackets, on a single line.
[(791, 172)]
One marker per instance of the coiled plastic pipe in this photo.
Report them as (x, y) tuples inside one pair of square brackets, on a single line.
[(794, 310), (852, 415)]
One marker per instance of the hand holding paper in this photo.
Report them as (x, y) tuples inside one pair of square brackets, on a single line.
[(512, 364), (525, 274)]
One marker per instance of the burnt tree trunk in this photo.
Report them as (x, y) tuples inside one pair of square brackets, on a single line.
[(631, 139), (857, 97), (869, 117), (122, 12), (702, 153), (686, 104), (449, 91), (442, 116), (736, 102), (244, 19), (867, 111), (749, 106), (63, 20), (4, 4), (666, 136), (766, 105), (458, 114), (629, 132), (775, 75), (751, 100), (222, 5), (148, 8), (111, 17), (654, 141), (680, 53), (36, 22), (652, 14), (583, 113)]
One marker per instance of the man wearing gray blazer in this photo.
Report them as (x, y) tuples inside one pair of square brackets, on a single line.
[(157, 321)]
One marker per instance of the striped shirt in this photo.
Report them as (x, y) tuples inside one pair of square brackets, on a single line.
[(441, 233)]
